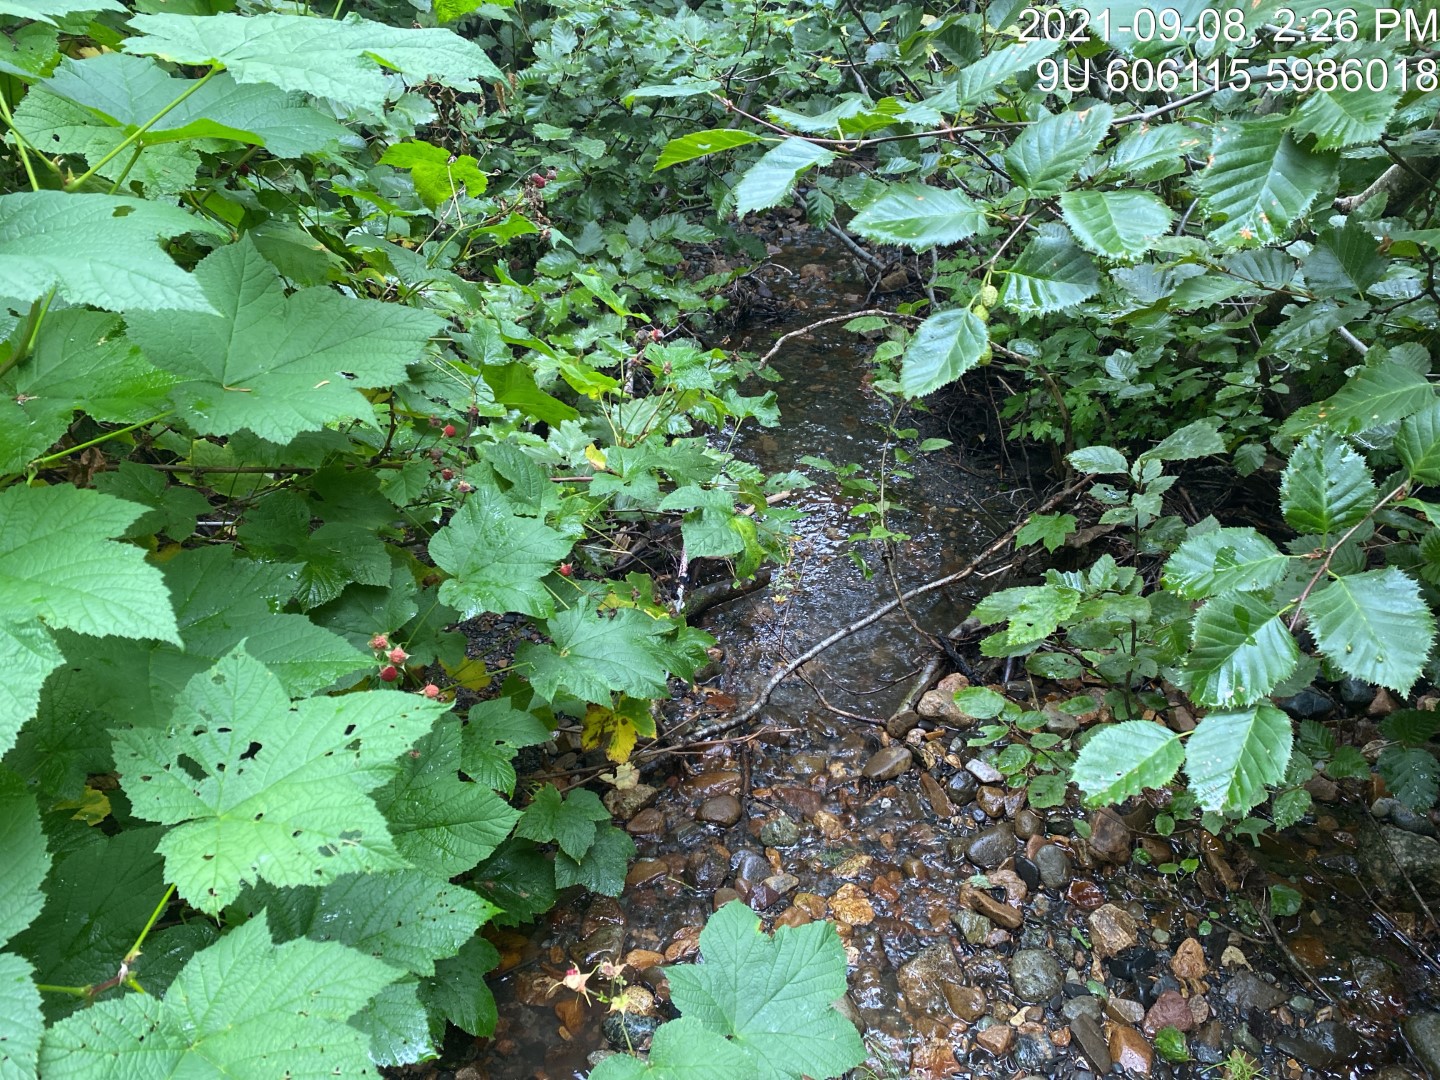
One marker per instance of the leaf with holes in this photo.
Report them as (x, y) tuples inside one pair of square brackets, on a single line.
[(1374, 627), (254, 789)]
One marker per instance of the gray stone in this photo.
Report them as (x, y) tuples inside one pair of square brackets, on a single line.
[(1321, 1046), (1028, 823), (1054, 866), (902, 723), (961, 788), (1308, 704), (989, 848), (1417, 856), (1035, 1053), (779, 832), (1246, 990), (625, 1030), (973, 926), (1087, 1032), (888, 763), (1089, 1006), (1035, 975), (984, 771), (750, 865), (782, 883), (1422, 1031), (1356, 695)]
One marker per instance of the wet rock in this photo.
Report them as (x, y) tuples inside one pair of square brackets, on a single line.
[(1169, 1010), (1110, 836), (933, 1059), (1124, 1010), (1308, 704), (1322, 1046), (1377, 989), (983, 771), (1356, 695), (1422, 1031), (1410, 821), (1075, 1007), (783, 883), (625, 803), (1246, 990), (1418, 857), (961, 788), (1085, 895), (871, 991), (924, 980), (750, 865), (793, 916), (803, 802), (646, 870), (1188, 963), (851, 905), (991, 799), (1086, 1030), (888, 763), (846, 1008), (989, 848), (706, 868), (1054, 866), (935, 796), (995, 910), (762, 896), (649, 822), (902, 723), (997, 1038), (1035, 975), (1028, 873), (1112, 930), (966, 1002), (1028, 823), (1130, 1051), (1133, 964), (709, 784), (973, 926), (606, 943), (627, 1031), (779, 832), (1382, 704), (1035, 1053), (830, 825), (1322, 788), (722, 810), (723, 897)]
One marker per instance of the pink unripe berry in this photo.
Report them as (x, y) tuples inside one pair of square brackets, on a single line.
[(464, 488), (398, 655), (431, 691), (389, 673), (379, 643)]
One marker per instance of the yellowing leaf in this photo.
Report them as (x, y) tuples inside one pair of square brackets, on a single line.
[(92, 807), (472, 674)]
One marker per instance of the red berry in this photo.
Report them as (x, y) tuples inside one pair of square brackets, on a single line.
[(566, 569), (431, 691), (538, 179), (398, 655), (448, 431), (447, 474), (389, 673), (379, 643)]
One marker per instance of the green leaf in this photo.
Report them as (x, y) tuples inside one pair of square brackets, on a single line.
[(24, 855), (1260, 181), (671, 91), (771, 995), (276, 364), (770, 179), (1170, 1044), (1117, 224), (683, 1049), (98, 250), (1378, 394), (520, 879), (21, 1022), (1349, 117), (1050, 151), (590, 656), (441, 824), (1199, 439), (458, 990), (47, 11), (1031, 612), (1412, 775), (327, 559), (496, 558), (602, 870), (1412, 726), (343, 60), (974, 82), (1240, 652), (1048, 529), (1348, 764), (1290, 806), (254, 789), (944, 347), (399, 1027), (1374, 627), (1344, 261), (1284, 900), (30, 654), (702, 144), (1226, 559), (437, 178), (918, 217), (1326, 486), (1052, 273), (1104, 460), (1232, 756), (242, 1007), (570, 823), (496, 730), (407, 918), (980, 702), (1121, 760), (1418, 444)]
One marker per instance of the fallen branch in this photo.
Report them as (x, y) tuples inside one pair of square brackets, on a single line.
[(827, 322), (709, 731)]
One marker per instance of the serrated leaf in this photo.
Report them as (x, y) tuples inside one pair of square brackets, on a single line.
[(399, 1028), (591, 656), (1121, 760), (1117, 224), (1052, 273), (1031, 612), (21, 1022), (1232, 757), (438, 175), (1349, 117), (31, 654), (1194, 440), (96, 249), (1412, 775), (770, 179), (254, 789), (1050, 151), (520, 879), (1378, 394), (1418, 444), (1326, 486), (496, 558), (274, 364), (1413, 726), (47, 11), (702, 144), (213, 1022), (1260, 181), (918, 217), (682, 1049), (1289, 807), (1048, 529), (1104, 460), (944, 347), (771, 995), (343, 60), (441, 824), (570, 821), (458, 989), (1225, 559), (602, 870), (1241, 650), (1373, 626), (1348, 763), (25, 856), (973, 82), (488, 744), (1344, 261)]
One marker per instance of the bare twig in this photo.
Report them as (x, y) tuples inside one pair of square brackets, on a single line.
[(780, 343)]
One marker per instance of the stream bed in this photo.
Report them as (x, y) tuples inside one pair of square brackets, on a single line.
[(984, 937)]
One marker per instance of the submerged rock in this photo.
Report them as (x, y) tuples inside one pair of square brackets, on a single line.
[(1035, 975), (989, 848), (1422, 1031), (888, 763)]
